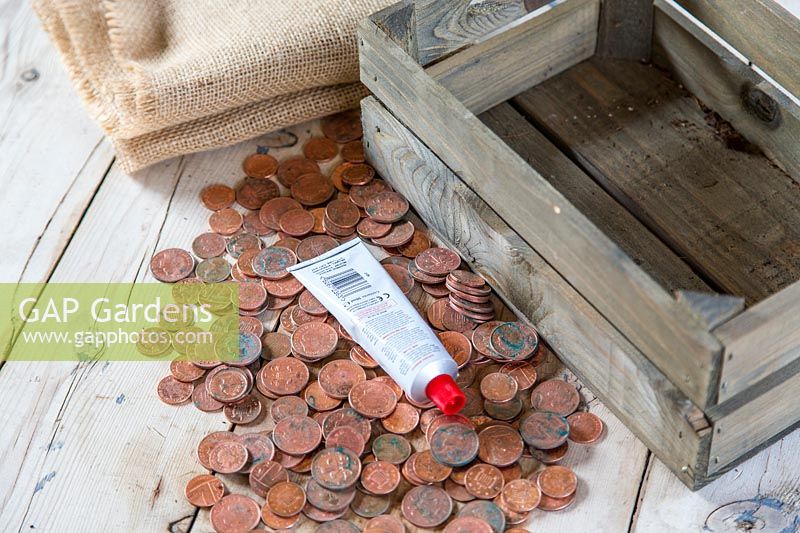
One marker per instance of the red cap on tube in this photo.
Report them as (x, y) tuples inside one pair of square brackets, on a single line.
[(444, 392)]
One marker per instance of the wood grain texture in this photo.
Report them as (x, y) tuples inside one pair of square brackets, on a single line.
[(728, 85), (712, 309), (623, 378), (762, 30), (46, 183), (541, 215), (603, 211), (760, 494), (443, 26), (626, 29), (534, 48), (399, 23), (731, 214), (761, 343)]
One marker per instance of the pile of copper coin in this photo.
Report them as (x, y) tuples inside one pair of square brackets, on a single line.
[(335, 443)]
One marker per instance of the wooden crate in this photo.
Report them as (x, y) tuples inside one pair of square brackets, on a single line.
[(655, 245)]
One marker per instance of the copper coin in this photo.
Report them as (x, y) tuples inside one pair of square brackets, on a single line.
[(457, 492), (408, 472), (481, 335), (312, 189), (426, 506), (240, 243), (286, 241), (185, 371), (585, 427), (283, 376), (498, 387), (437, 261), (419, 242), (455, 321), (338, 377), (235, 514), (400, 234), (336, 468), (328, 500), (217, 196), (485, 308), (287, 406), (337, 231), (203, 401), (521, 495), (398, 392), (357, 173), (227, 384), (319, 214), (316, 340), (245, 263), (514, 340), (437, 291), (243, 412), (292, 168), (486, 511), (317, 399), (347, 416), (401, 277), (549, 456), (385, 524), (386, 207), (252, 325), (209, 442), (272, 210), (353, 152), (421, 276), (320, 149), (435, 313), (465, 296), (380, 477), (359, 195), (276, 345), (228, 457), (300, 317), (252, 296), (369, 229), (429, 469), (468, 524), (296, 222), (260, 166), (287, 287), (557, 481), (213, 270), (549, 503), (278, 523), (171, 265), (372, 399), (297, 435), (523, 373), (309, 303), (253, 193), (457, 345), (225, 221), (360, 356), (544, 430), (556, 396), (402, 420), (272, 262), (286, 499), (500, 445), (442, 419), (314, 246), (251, 223), (346, 437), (342, 127), (266, 474), (204, 490), (174, 392), (453, 444), (470, 279), (391, 448), (343, 213), (260, 448), (484, 481), (369, 505), (208, 245)]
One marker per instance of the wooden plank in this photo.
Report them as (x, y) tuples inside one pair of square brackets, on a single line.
[(713, 309), (61, 417), (541, 215), (762, 30), (761, 343), (398, 22), (444, 26), (537, 47), (760, 494), (731, 214), (728, 86), (46, 182), (610, 217), (626, 29), (622, 377)]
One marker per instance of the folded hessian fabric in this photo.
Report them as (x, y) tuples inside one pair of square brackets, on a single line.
[(169, 77)]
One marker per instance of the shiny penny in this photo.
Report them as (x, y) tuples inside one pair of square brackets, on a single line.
[(585, 427), (235, 514), (386, 207), (437, 261), (380, 477), (171, 265), (556, 396), (216, 197), (297, 435), (260, 166), (372, 399), (204, 490), (336, 468), (225, 221), (498, 387), (208, 245), (484, 481), (500, 445), (286, 499)]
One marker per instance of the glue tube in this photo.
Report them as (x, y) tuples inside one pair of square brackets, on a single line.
[(366, 301)]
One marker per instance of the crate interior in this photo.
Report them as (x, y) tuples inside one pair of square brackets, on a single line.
[(687, 197)]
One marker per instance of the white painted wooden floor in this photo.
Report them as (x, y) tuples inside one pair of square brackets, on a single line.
[(89, 447)]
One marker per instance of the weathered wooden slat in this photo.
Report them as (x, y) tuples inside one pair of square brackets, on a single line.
[(762, 30), (541, 215), (731, 214), (610, 217), (628, 383), (761, 343), (759, 111), (713, 309), (537, 47), (398, 22), (626, 29)]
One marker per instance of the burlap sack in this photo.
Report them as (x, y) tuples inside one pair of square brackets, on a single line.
[(168, 77)]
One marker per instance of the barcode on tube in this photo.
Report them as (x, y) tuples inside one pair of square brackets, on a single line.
[(346, 283)]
